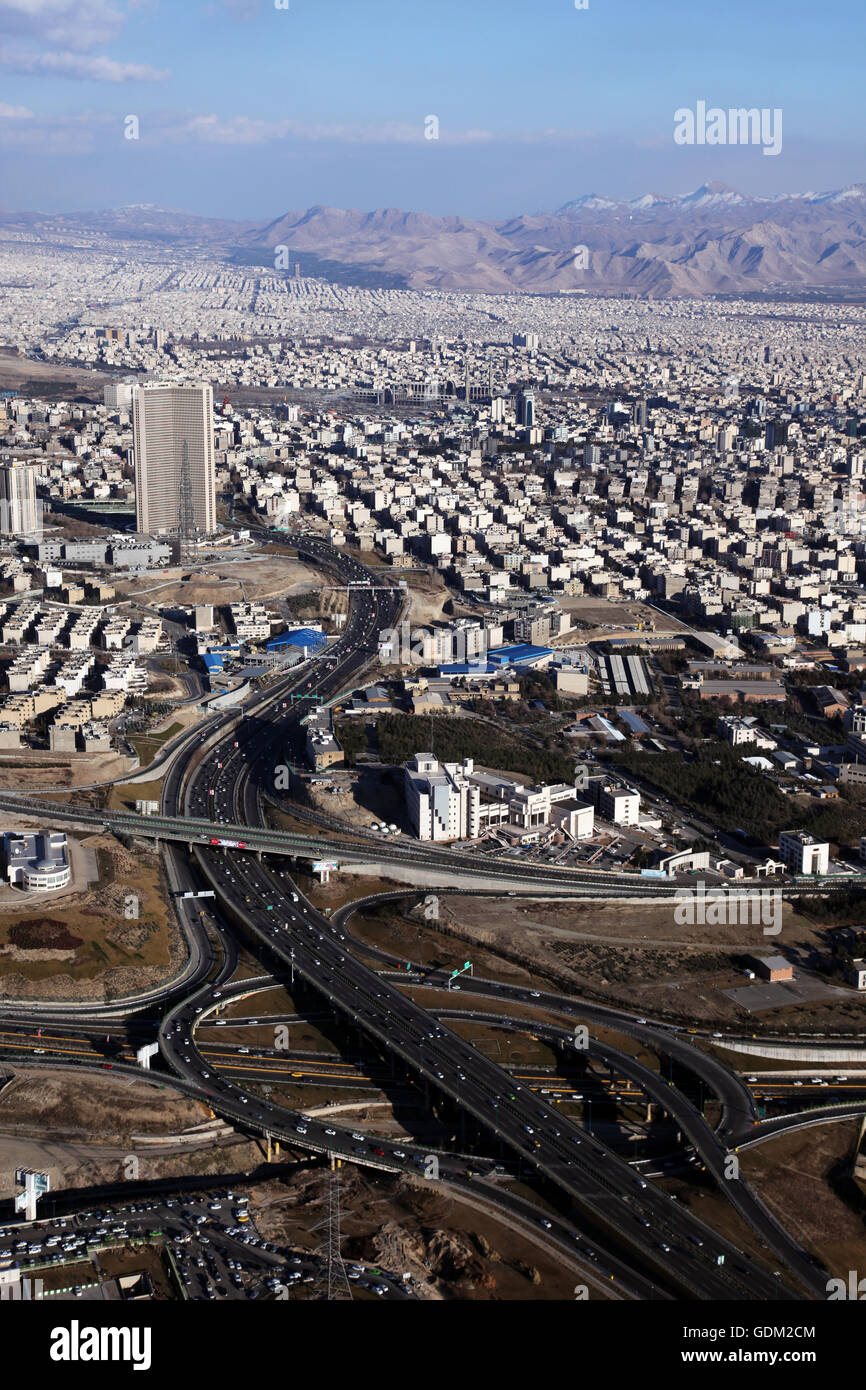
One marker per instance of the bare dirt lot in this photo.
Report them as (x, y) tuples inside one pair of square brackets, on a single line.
[(38, 771), (450, 1249), (606, 615), (125, 931), (427, 597), (16, 372), (226, 582), (634, 955), (805, 1179), (84, 1129)]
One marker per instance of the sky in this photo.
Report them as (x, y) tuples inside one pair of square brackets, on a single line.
[(248, 109)]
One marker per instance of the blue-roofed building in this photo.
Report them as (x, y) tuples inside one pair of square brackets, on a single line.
[(214, 660), (468, 668), (308, 639), (634, 721), (520, 654)]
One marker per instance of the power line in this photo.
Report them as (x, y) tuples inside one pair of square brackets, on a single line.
[(329, 1252)]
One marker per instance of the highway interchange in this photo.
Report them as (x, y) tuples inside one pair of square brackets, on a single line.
[(219, 788)]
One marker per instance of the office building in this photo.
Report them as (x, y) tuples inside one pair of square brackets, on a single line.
[(19, 511), (37, 862), (441, 801), (526, 408), (173, 441), (802, 853)]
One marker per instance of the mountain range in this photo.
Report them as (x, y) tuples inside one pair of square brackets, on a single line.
[(714, 240)]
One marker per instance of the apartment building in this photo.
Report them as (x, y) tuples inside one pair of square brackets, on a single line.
[(250, 622)]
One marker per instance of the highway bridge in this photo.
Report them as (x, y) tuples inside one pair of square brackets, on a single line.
[(655, 1247)]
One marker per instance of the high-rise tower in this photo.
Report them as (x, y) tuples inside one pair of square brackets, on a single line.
[(173, 445), (19, 510)]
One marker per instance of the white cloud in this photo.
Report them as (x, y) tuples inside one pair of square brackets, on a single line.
[(90, 130), (89, 67), (79, 133), (14, 113), (75, 24), (245, 130)]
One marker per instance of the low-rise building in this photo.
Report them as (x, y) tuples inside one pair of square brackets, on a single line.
[(37, 862), (619, 805)]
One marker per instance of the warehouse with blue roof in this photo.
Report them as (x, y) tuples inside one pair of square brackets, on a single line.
[(308, 639), (520, 654)]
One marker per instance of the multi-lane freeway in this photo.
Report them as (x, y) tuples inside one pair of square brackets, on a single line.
[(215, 791)]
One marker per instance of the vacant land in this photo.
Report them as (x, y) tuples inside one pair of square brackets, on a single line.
[(82, 1128), (41, 771), (634, 955), (226, 581), (451, 1249), (126, 929), (805, 1179)]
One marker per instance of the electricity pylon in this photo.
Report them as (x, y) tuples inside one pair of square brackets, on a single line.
[(328, 1250)]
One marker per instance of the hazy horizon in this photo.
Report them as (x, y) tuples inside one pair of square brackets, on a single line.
[(240, 109)]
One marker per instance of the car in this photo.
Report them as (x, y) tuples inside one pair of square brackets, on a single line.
[(663, 1245), (548, 1225)]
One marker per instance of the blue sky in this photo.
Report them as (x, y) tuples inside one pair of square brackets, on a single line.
[(246, 110)]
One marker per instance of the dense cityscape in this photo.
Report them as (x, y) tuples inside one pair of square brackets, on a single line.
[(432, 654)]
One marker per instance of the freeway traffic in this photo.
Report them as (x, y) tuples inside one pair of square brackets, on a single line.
[(214, 802)]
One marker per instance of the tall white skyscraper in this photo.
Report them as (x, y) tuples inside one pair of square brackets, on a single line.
[(19, 511), (172, 424)]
